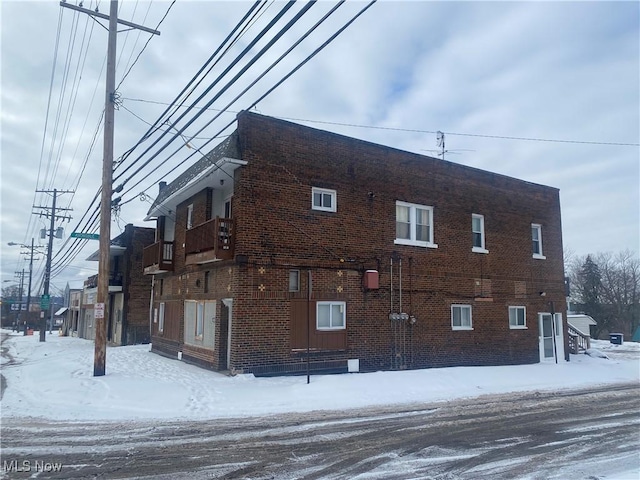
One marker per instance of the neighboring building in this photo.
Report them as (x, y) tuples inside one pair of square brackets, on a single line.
[(581, 322), (285, 237), (579, 332), (73, 314), (129, 290)]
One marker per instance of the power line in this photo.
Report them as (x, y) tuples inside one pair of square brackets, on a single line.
[(307, 59), (145, 45), (414, 130)]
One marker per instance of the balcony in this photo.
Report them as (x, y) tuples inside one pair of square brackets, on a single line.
[(210, 241), (158, 258), (115, 282)]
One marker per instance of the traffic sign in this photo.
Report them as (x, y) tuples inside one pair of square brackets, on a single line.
[(98, 310), (86, 236), (44, 302)]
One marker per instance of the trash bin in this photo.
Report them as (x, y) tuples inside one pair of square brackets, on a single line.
[(616, 338)]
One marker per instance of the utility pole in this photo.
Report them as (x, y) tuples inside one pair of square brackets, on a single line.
[(47, 272), (20, 289), (102, 297), (30, 275), (31, 259)]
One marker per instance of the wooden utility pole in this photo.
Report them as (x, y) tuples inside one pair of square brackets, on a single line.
[(102, 298)]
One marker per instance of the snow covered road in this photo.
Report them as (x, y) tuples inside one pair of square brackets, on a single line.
[(581, 434), (153, 417)]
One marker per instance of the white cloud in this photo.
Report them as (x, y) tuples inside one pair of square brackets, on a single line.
[(560, 70)]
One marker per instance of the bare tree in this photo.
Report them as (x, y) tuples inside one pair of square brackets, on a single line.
[(606, 286)]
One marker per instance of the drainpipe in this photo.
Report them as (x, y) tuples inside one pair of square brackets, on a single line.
[(153, 284)]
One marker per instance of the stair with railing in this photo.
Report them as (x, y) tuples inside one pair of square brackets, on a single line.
[(578, 341)]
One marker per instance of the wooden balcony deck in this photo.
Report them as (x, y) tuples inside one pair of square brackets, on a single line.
[(158, 258), (210, 241)]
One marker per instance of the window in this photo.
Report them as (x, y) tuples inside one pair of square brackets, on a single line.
[(227, 208), (161, 286), (200, 323), (200, 320), (517, 317), (206, 281), (323, 199), (536, 237), (461, 317), (330, 315), (190, 216), (294, 280), (414, 225), (477, 229), (161, 317)]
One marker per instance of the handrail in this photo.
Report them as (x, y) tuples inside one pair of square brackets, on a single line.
[(578, 340)]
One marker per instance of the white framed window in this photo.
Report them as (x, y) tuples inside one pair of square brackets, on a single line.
[(190, 216), (324, 199), (517, 317), (161, 317), (536, 238), (477, 229), (461, 317), (200, 323), (294, 280), (414, 225), (331, 315)]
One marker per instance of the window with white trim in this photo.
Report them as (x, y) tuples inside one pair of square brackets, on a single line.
[(517, 317), (331, 315), (477, 229), (161, 317), (536, 239), (324, 199), (190, 216), (461, 317), (200, 323), (414, 225)]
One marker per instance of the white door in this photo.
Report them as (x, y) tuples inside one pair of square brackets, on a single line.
[(551, 338)]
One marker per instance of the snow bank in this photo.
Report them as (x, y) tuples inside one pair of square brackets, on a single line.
[(55, 380)]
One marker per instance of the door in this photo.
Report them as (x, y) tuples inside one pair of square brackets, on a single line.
[(551, 338)]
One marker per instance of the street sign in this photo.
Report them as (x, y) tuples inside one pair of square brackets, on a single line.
[(44, 302), (98, 310), (86, 236)]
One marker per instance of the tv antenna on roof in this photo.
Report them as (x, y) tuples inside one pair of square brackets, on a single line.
[(441, 144)]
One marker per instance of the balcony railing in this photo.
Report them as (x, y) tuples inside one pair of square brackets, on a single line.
[(158, 257), (115, 280), (215, 236)]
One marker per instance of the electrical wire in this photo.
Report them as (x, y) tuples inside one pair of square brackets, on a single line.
[(264, 31), (286, 77)]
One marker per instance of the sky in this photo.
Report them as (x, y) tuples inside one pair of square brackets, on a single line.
[(162, 389), (518, 88)]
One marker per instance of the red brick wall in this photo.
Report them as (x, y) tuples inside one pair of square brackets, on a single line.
[(276, 230), (275, 226), (138, 287)]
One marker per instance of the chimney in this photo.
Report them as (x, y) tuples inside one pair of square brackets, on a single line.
[(161, 186)]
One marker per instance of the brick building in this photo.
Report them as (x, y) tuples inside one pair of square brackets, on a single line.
[(285, 238), (129, 291)]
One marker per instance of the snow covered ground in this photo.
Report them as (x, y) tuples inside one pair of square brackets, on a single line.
[(54, 380)]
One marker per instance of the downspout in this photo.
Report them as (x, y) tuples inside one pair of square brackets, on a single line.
[(153, 285)]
